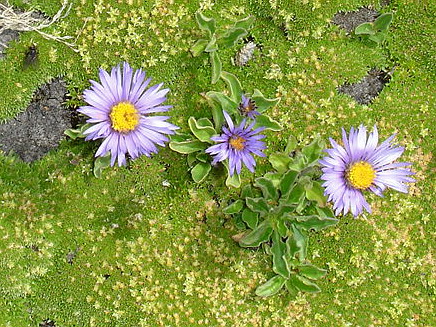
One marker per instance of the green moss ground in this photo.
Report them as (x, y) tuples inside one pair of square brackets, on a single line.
[(153, 255)]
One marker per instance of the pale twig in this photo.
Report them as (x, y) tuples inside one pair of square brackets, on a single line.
[(25, 21)]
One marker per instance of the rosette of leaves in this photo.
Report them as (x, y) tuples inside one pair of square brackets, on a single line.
[(194, 144), (100, 163), (218, 39), (280, 210), (377, 30), (219, 101)]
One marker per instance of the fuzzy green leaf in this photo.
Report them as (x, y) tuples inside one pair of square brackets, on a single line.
[(291, 145), (311, 271), (187, 147), (260, 234), (233, 181), (199, 47), (232, 36), (216, 66), (224, 101), (281, 227), (101, 163), (379, 37), (313, 151), (234, 85), (246, 23), (233, 208), (191, 158), (287, 182), (205, 23), (383, 21), (280, 161), (250, 218), (303, 284), (297, 244), (316, 193), (202, 129), (271, 287), (257, 205), (365, 29), (267, 187), (268, 123), (296, 195), (200, 171), (263, 103), (293, 291), (278, 250), (202, 157), (247, 191), (315, 223)]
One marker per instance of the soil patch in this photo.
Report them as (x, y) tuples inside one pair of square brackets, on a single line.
[(350, 20), (41, 127), (368, 88)]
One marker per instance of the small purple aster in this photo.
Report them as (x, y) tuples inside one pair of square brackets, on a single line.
[(248, 107), (237, 143), (361, 165), (120, 109)]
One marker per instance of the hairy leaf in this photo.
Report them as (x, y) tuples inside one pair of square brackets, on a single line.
[(250, 218), (205, 23), (200, 171), (260, 234), (234, 85), (271, 287), (234, 207), (268, 190)]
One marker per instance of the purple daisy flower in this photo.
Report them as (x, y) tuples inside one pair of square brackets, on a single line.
[(120, 109), (237, 143), (361, 165), (248, 107)]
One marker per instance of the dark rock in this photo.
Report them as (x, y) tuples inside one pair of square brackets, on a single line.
[(350, 20), (41, 127), (368, 88), (5, 37), (47, 323)]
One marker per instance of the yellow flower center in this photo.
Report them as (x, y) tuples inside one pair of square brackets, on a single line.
[(361, 175), (124, 117), (237, 143)]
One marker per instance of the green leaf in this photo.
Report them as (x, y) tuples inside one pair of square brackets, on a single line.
[(77, 133), (297, 244), (271, 287), (224, 101), (278, 250), (281, 227), (205, 23), (303, 284), (379, 37), (316, 193), (246, 23), (191, 158), (234, 85), (233, 181), (293, 291), (280, 161), (203, 157), (187, 147), (288, 182), (232, 36), (298, 162), (325, 212), (260, 234), (233, 208), (247, 191), (216, 66), (263, 103), (365, 29), (291, 145), (383, 21), (199, 47), (311, 271), (250, 218), (257, 205), (274, 177), (268, 123), (101, 163), (211, 45), (268, 190), (200, 171), (313, 151), (202, 129), (315, 223), (296, 194)]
